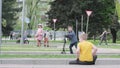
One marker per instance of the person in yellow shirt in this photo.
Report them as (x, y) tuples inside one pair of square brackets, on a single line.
[(86, 52)]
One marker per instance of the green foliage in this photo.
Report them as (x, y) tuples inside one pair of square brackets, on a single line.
[(9, 15), (118, 8), (32, 8), (36, 10), (67, 11), (46, 28), (118, 35)]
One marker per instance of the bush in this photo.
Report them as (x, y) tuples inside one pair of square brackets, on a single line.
[(118, 35)]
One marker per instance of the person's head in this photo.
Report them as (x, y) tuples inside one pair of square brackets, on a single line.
[(83, 37), (39, 25), (70, 28), (47, 30)]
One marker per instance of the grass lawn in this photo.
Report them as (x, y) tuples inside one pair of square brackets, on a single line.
[(28, 48), (18, 47), (110, 45), (34, 48), (31, 47), (53, 56)]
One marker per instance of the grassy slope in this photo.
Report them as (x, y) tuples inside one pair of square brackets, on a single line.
[(30, 47), (53, 56), (34, 48)]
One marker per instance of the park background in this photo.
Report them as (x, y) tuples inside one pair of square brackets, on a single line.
[(105, 15)]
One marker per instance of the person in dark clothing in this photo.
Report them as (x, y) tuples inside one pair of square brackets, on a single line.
[(103, 37), (78, 62), (72, 37), (50, 36), (11, 35)]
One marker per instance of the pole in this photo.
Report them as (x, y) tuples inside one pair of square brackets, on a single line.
[(81, 23), (22, 29), (54, 31), (87, 24), (119, 1), (76, 27), (0, 24)]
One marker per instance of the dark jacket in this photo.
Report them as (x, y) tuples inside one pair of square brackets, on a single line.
[(72, 37)]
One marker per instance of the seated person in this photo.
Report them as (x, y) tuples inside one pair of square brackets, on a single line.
[(86, 52)]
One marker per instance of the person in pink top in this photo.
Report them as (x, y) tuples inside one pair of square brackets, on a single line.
[(39, 35)]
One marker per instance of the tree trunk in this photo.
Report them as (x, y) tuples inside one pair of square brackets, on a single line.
[(94, 38), (114, 35)]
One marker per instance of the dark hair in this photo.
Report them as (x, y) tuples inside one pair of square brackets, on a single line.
[(70, 26)]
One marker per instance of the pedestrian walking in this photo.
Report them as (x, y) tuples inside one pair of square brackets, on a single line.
[(39, 35)]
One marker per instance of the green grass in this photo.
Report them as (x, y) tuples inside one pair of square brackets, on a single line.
[(53, 56), (37, 56), (31, 47), (109, 56), (110, 45), (51, 49), (96, 42)]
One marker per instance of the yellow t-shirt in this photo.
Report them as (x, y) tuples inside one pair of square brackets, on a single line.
[(85, 51)]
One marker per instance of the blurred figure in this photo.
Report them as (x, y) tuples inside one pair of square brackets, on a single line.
[(26, 41), (103, 37), (46, 39), (39, 35), (11, 35), (71, 35), (50, 36)]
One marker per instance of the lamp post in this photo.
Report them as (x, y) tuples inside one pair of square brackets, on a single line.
[(76, 27), (23, 17), (88, 15), (119, 1), (0, 24), (81, 23), (54, 21)]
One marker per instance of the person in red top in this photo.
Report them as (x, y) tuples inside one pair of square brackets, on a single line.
[(39, 35)]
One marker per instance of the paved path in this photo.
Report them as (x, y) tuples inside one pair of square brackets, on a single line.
[(55, 61), (58, 66), (100, 51)]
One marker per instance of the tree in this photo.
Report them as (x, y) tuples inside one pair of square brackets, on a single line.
[(9, 15), (32, 9), (118, 8), (115, 26), (67, 11), (36, 10)]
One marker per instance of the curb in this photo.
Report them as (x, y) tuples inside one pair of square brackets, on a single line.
[(31, 61)]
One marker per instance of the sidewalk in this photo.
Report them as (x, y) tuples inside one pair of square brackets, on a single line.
[(54, 61), (58, 66)]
